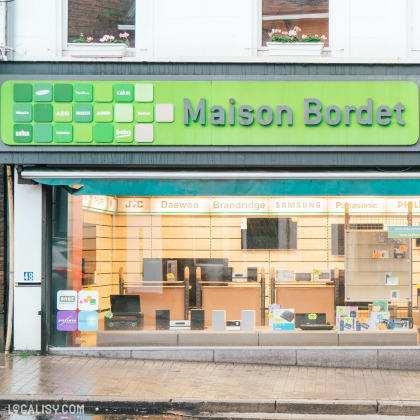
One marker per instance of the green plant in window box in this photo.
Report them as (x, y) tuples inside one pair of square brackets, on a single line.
[(110, 39), (83, 40), (292, 43), (108, 46)]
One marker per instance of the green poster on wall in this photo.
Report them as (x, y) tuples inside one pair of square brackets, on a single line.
[(209, 113)]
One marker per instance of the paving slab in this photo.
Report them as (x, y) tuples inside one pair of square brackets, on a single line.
[(399, 408), (354, 407)]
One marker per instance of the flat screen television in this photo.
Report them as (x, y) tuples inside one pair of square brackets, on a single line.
[(216, 273), (270, 233), (125, 303)]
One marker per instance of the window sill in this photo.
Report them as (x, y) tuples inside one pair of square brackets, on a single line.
[(97, 50)]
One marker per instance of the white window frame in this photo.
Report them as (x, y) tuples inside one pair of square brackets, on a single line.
[(66, 46), (282, 17)]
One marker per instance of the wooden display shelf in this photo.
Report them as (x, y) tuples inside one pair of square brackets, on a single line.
[(307, 297), (155, 295), (233, 297)]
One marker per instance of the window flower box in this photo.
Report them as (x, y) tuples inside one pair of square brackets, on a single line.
[(295, 48), (99, 50)]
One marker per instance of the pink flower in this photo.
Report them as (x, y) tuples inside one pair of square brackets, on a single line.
[(292, 32), (285, 33), (304, 36), (89, 39), (323, 37), (106, 38), (316, 36), (111, 37), (125, 35)]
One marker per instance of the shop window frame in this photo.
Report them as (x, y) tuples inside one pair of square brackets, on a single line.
[(264, 47), (66, 45)]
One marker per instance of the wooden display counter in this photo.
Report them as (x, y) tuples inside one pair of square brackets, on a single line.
[(165, 295), (233, 297), (307, 297)]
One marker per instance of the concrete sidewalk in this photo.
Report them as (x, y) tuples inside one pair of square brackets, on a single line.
[(201, 386)]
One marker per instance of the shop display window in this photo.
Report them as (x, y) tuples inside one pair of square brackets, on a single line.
[(184, 267)]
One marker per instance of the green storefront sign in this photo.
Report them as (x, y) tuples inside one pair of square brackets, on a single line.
[(203, 113)]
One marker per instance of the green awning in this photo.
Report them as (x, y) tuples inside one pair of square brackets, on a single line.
[(235, 187)]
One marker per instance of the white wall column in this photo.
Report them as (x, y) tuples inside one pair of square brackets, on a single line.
[(28, 265)]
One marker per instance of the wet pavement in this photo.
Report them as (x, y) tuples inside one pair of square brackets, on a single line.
[(62, 376), (139, 389)]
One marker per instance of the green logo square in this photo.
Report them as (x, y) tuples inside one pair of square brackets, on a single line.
[(83, 113), (63, 92), (123, 93), (22, 92), (63, 112), (83, 133), (83, 92), (123, 113), (123, 133), (43, 133), (103, 92), (144, 92), (43, 92), (104, 113), (22, 133), (63, 133), (43, 112), (103, 133), (22, 112), (143, 112)]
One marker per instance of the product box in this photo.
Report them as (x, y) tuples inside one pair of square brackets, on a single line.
[(346, 323), (386, 324), (283, 319), (347, 311), (285, 275), (322, 274), (363, 324), (402, 323), (379, 305), (354, 312), (377, 317), (408, 320), (340, 312), (271, 308)]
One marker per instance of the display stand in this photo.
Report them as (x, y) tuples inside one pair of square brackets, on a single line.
[(377, 267)]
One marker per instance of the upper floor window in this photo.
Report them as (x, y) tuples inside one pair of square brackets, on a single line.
[(105, 21), (311, 16)]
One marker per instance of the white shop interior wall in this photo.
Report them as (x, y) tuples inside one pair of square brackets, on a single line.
[(189, 29), (28, 259)]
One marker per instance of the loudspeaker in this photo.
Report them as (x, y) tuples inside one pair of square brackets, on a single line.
[(218, 320), (248, 320), (162, 319), (197, 319), (252, 273)]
